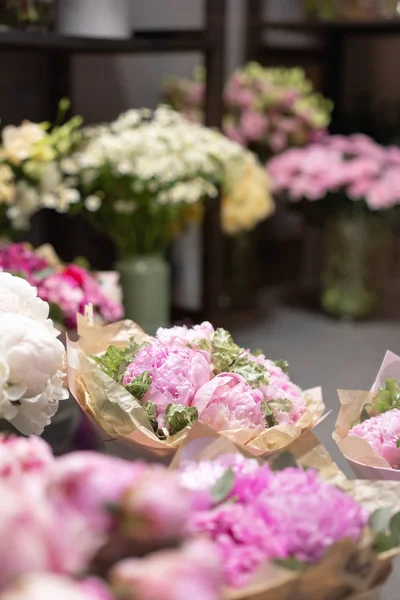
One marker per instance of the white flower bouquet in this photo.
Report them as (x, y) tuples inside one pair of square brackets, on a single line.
[(32, 360)]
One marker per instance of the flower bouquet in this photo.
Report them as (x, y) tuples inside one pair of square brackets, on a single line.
[(367, 430), (145, 176), (31, 177), (291, 528), (348, 185), (32, 360), (66, 288), (266, 109), (91, 527), (150, 390)]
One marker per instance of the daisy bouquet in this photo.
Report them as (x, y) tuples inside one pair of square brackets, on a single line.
[(294, 527), (144, 176), (150, 390), (66, 288), (266, 109), (31, 177), (90, 527), (368, 426)]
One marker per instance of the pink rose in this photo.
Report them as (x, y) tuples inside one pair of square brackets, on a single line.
[(157, 508), (176, 372), (20, 456), (184, 336), (193, 572), (228, 402)]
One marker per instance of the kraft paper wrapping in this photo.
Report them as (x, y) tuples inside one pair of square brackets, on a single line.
[(124, 422), (364, 461), (349, 571)]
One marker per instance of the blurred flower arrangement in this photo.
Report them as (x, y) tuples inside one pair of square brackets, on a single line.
[(87, 527), (267, 110), (351, 198), (67, 288), (139, 175), (32, 360), (157, 387), (30, 169)]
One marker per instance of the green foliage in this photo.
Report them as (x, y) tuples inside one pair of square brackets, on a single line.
[(115, 360), (283, 364), (387, 397), (151, 411), (268, 414), (254, 373), (56, 314), (293, 564), (223, 487), (140, 385), (282, 404), (178, 416), (386, 529)]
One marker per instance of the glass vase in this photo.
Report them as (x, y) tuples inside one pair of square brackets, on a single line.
[(145, 282), (349, 281)]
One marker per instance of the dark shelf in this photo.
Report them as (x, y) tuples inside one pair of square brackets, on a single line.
[(386, 26), (190, 40)]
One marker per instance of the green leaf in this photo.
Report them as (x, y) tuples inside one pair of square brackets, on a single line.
[(201, 344), (282, 404), (151, 411), (398, 443), (223, 487), (383, 542), (111, 361), (224, 351), (254, 373), (293, 564), (140, 385), (364, 415), (391, 386), (257, 352), (268, 414), (82, 261), (283, 364), (379, 520), (285, 460), (56, 314), (178, 416), (44, 273), (394, 526), (387, 397)]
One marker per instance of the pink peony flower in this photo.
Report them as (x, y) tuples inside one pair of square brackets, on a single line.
[(176, 372), (184, 336), (52, 587), (286, 398), (228, 402), (20, 456), (382, 433), (193, 572), (94, 589), (157, 507), (86, 483), (290, 513)]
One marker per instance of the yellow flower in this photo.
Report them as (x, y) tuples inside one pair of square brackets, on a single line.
[(7, 187), (246, 200), (19, 141)]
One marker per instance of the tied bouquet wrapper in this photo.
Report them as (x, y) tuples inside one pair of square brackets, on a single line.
[(370, 443), (128, 427), (349, 570)]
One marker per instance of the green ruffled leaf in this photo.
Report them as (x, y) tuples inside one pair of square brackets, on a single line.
[(387, 397), (383, 542), (223, 487), (293, 564), (115, 360), (178, 416), (364, 415), (283, 364), (201, 344), (151, 411), (282, 404), (379, 520), (140, 385), (257, 352), (224, 351), (268, 414), (254, 373)]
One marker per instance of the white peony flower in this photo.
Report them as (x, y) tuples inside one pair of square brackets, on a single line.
[(45, 586), (19, 297), (31, 373)]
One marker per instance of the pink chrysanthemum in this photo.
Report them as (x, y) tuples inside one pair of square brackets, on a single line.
[(176, 373), (382, 434)]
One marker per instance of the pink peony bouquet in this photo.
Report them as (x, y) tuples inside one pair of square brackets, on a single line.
[(368, 427), (266, 109), (67, 288), (65, 520), (151, 390), (340, 170)]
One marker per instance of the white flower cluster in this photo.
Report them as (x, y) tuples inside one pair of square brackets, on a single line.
[(31, 358), (163, 154)]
